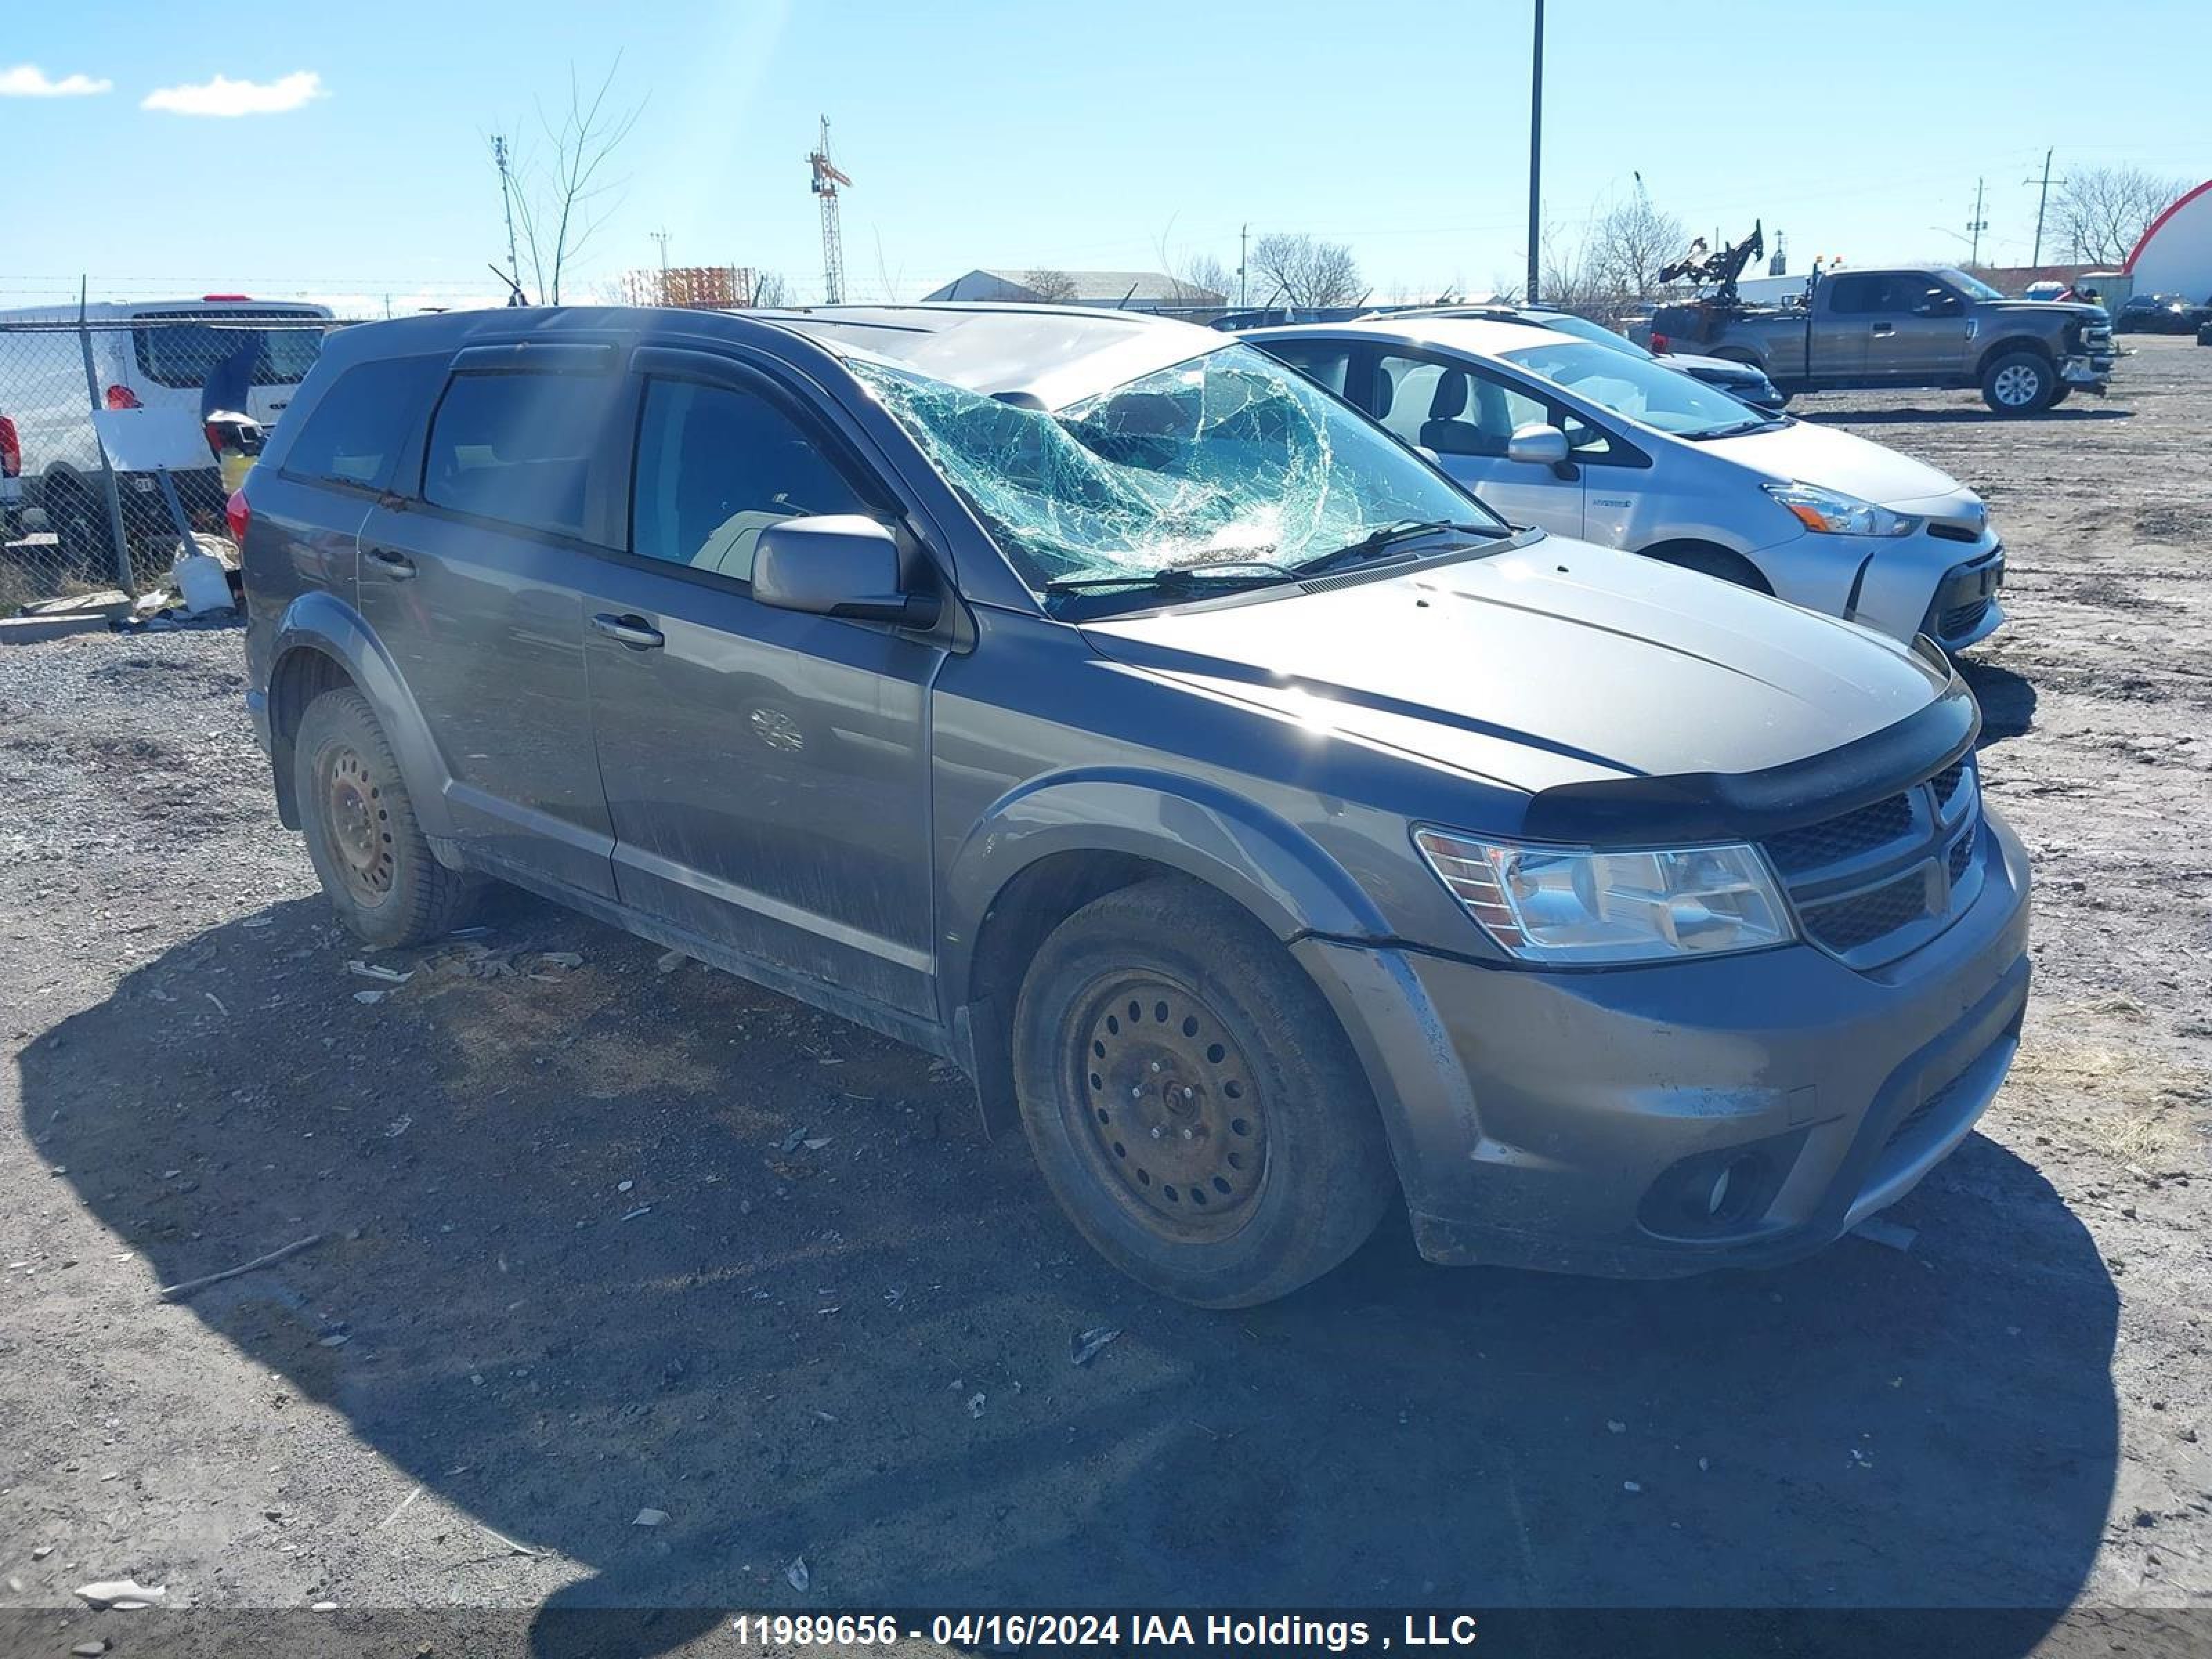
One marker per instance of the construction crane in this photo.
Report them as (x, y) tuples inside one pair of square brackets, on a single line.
[(826, 180)]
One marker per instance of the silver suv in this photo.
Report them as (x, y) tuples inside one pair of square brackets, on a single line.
[(1097, 702)]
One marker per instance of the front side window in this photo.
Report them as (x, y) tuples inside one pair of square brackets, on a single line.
[(523, 448), (1647, 392), (716, 466), (1229, 458), (1454, 410)]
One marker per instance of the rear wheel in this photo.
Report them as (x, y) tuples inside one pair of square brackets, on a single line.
[(2018, 383), (362, 836), (1191, 1100), (79, 522)]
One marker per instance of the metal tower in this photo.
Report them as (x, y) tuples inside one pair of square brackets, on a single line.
[(826, 179)]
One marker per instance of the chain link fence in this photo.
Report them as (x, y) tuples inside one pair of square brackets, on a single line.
[(107, 461)]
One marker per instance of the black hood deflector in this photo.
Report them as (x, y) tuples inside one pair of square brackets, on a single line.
[(1746, 806)]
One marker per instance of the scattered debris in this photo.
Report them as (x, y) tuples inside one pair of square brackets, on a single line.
[(399, 1126), (217, 1000), (397, 1513), (650, 1517), (264, 919), (671, 961), (122, 1594), (1875, 1230), (624, 1185), (513, 1547), (1632, 1486), (336, 1340), (42, 1552), (976, 1405), (176, 1292), (323, 1606), (370, 996), (1613, 1426), (798, 1574), (91, 1649), (1084, 1347), (561, 959), (791, 1142), (371, 970), (642, 1209)]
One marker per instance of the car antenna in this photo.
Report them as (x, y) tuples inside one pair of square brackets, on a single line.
[(513, 289), (1124, 304)]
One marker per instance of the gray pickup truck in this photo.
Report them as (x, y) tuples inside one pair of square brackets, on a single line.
[(1935, 326)]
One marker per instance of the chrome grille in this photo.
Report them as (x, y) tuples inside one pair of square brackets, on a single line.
[(1878, 881)]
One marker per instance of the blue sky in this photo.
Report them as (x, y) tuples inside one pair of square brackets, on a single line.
[(983, 133)]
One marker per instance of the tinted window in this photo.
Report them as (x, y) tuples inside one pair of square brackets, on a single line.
[(524, 448), (183, 353), (1878, 295), (1854, 297), (355, 432), (715, 467)]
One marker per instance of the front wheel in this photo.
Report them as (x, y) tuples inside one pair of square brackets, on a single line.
[(1191, 1100), (2018, 383)]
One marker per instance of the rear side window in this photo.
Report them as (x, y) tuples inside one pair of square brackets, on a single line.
[(716, 466), (354, 434), (1317, 360), (527, 449)]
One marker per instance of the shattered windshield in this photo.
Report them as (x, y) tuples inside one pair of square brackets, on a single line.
[(1230, 462)]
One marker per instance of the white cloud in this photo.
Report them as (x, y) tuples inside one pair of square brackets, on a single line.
[(29, 80), (224, 96)]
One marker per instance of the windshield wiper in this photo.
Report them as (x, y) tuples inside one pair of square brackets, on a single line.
[(1239, 573), (1734, 429), (1389, 536)]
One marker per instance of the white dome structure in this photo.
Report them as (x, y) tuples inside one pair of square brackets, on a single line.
[(2175, 254)]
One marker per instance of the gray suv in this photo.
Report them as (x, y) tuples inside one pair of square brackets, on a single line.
[(1098, 703)]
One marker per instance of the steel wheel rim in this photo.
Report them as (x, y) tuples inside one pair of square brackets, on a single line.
[(357, 826), (1169, 1118), (2017, 387)]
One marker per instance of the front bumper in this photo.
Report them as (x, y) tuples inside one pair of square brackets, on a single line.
[(1580, 1122), (2093, 370), (1901, 586)]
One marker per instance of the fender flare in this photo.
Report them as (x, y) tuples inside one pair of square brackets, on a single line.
[(1275, 871), (322, 622)]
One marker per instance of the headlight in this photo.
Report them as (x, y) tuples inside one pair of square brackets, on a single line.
[(1575, 905), (1832, 513)]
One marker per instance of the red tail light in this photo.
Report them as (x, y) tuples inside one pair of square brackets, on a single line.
[(122, 397), (237, 514), (11, 449), (1659, 344)]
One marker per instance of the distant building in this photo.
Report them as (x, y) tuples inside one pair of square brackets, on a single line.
[(1132, 290), (692, 288), (2175, 256)]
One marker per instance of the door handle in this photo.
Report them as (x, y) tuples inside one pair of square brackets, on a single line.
[(1885, 328), (398, 566), (633, 631)]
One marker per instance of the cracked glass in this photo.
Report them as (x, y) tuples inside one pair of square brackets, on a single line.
[(1229, 461)]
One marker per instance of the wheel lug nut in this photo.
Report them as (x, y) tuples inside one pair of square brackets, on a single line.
[(1156, 1132), (1136, 1091), (1190, 1094), (1156, 1065), (1190, 1135)]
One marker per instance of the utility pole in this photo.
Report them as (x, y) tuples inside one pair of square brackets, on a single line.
[(2042, 201), (1977, 225), (1243, 259), (661, 237), (1536, 151), (506, 205)]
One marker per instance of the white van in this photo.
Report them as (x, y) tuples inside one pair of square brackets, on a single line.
[(151, 354)]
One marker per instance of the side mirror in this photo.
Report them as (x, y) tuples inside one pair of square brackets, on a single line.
[(1538, 445), (1941, 305), (837, 564)]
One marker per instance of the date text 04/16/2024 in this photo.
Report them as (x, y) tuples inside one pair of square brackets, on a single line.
[(1110, 1630)]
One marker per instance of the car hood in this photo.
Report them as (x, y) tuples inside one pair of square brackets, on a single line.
[(1553, 663), (2043, 308), (1727, 367), (1808, 452)]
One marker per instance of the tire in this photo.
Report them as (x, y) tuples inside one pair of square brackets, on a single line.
[(80, 529), (2059, 395), (1271, 1166), (2018, 383), (1709, 561), (363, 836)]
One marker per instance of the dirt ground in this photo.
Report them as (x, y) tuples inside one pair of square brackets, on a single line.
[(598, 1239)]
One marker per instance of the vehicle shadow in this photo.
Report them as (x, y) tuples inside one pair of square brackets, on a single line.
[(1961, 414), (602, 1238), (2008, 699)]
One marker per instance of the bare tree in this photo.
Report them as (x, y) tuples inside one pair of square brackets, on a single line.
[(1202, 281), (1629, 242), (561, 201), (1052, 287), (2101, 213), (1567, 278), (770, 291), (1304, 272)]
